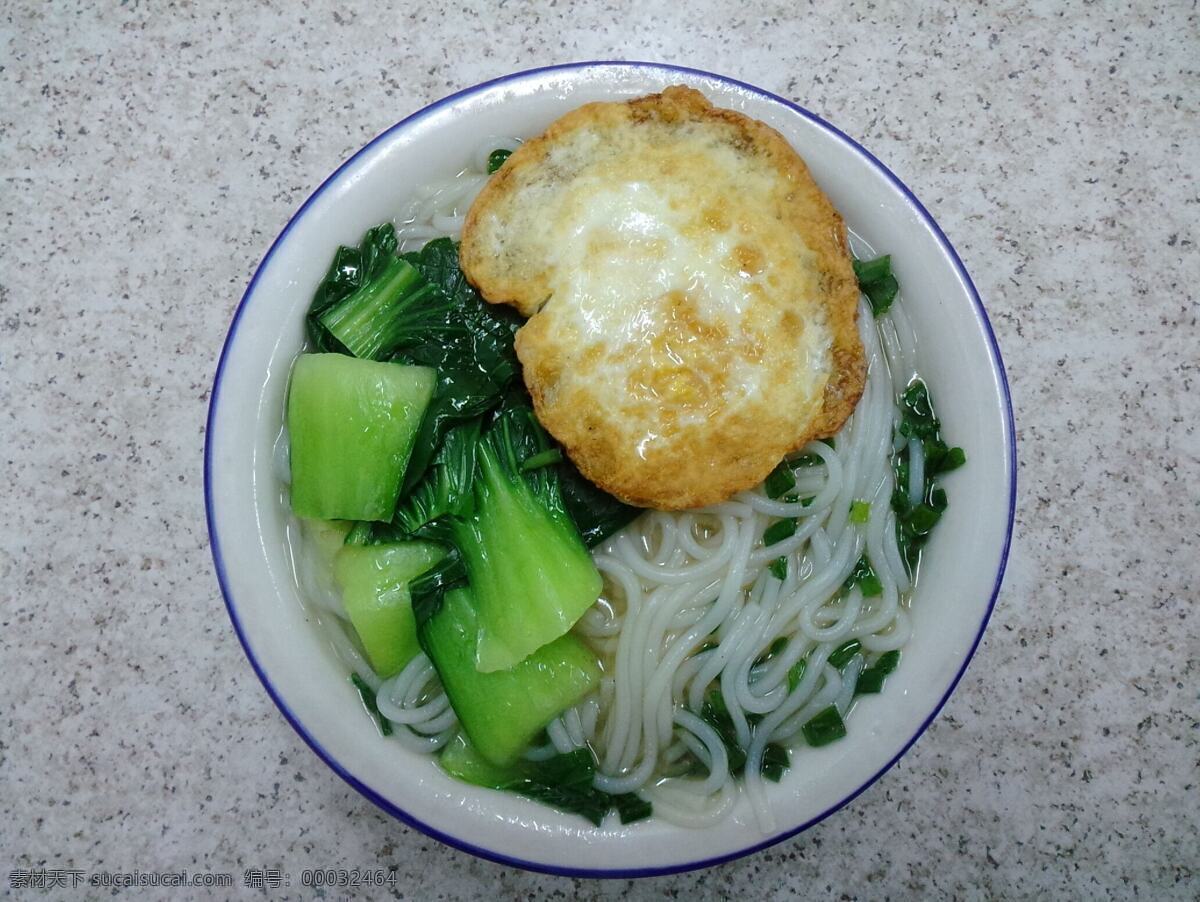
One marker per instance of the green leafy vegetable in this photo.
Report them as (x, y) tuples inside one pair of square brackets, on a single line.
[(460, 395), (563, 781), (447, 489), (352, 424), (872, 270), (374, 585), (391, 310), (470, 344), (597, 514), (352, 267), (779, 568), (824, 728), (502, 710), (542, 459), (473, 354), (528, 568), (367, 694)]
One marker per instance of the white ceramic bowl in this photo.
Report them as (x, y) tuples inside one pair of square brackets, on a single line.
[(961, 570)]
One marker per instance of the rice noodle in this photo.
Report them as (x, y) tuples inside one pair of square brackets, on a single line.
[(673, 581)]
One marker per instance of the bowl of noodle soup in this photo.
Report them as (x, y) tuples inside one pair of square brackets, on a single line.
[(670, 577)]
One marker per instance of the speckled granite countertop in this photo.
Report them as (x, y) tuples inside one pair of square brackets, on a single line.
[(150, 154)]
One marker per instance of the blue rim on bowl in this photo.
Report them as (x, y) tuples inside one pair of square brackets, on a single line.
[(388, 806)]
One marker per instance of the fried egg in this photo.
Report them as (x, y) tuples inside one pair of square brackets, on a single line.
[(689, 290)]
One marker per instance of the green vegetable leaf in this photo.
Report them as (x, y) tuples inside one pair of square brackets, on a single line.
[(564, 781), (447, 486), (779, 568), (462, 394), (542, 459), (596, 513), (486, 340), (352, 267)]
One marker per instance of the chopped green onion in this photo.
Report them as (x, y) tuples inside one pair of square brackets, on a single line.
[(914, 521), (876, 281), (779, 568), (954, 459), (775, 761), (871, 680), (922, 518), (860, 511), (779, 530), (824, 728), (888, 662), (864, 577), (871, 586), (632, 808), (496, 159), (542, 459), (716, 714), (872, 270), (881, 294), (796, 674), (776, 647), (917, 417), (841, 655), (781, 481), (367, 694)]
